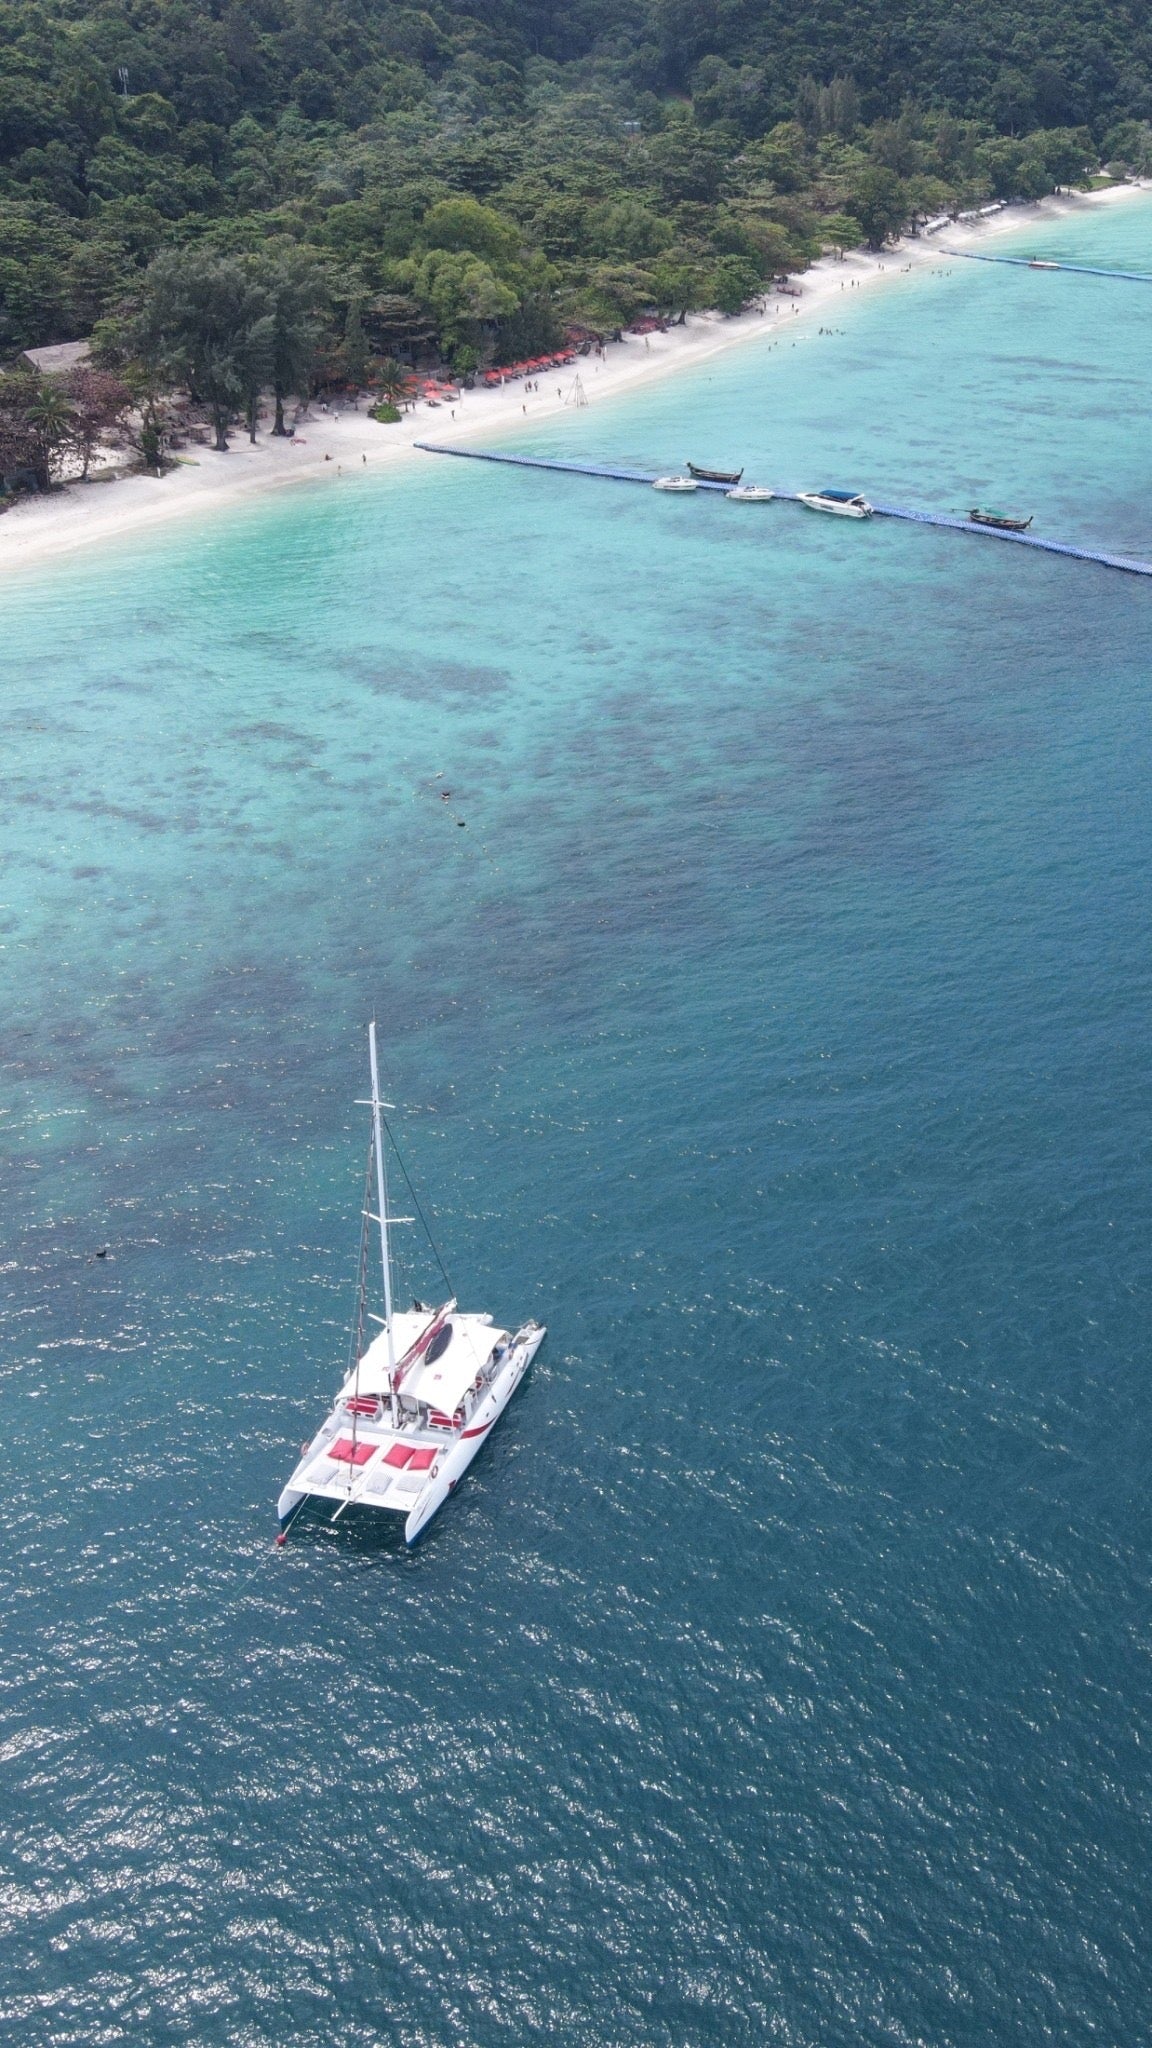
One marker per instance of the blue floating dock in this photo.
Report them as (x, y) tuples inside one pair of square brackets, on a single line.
[(1047, 263), (616, 473)]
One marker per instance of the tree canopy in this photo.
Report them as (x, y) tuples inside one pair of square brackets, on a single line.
[(470, 175)]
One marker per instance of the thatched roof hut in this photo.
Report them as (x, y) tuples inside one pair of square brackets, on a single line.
[(58, 358)]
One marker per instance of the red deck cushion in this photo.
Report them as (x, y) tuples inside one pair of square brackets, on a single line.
[(350, 1453), (399, 1456), (422, 1459)]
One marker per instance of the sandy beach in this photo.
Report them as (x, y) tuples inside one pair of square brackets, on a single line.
[(342, 440)]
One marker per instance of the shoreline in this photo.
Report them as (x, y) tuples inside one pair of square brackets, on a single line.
[(344, 440)]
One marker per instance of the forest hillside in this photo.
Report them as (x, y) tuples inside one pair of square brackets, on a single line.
[(464, 180)]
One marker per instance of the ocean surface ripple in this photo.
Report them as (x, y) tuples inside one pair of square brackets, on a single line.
[(776, 1028)]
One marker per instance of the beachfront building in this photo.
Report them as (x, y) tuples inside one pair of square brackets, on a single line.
[(58, 357)]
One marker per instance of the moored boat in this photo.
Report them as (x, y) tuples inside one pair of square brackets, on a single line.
[(714, 476), (845, 504), (675, 483), (421, 1398), (751, 494), (1003, 520)]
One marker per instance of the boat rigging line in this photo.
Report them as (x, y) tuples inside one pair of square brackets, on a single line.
[(361, 1292), (619, 474), (399, 1157), (356, 1341)]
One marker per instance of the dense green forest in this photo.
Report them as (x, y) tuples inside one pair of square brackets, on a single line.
[(466, 178)]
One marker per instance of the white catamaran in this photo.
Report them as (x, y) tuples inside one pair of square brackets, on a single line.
[(420, 1400)]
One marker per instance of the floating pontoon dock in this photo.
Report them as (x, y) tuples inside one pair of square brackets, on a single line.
[(618, 474), (1047, 263)]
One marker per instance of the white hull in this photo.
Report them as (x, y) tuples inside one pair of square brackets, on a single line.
[(848, 510), (381, 1484)]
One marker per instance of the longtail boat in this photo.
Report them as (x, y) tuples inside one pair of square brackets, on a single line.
[(715, 476), (1002, 520)]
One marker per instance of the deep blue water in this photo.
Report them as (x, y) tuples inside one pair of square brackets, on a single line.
[(776, 1028)]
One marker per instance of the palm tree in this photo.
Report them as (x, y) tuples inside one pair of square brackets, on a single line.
[(391, 377), (49, 416)]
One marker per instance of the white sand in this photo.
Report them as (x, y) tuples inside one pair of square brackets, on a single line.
[(343, 442)]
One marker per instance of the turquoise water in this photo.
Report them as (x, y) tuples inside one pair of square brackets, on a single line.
[(776, 1028)]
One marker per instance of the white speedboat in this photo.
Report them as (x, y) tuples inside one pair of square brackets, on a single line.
[(845, 504), (751, 494), (421, 1399), (675, 483)]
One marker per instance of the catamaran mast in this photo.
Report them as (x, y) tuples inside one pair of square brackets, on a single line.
[(382, 1214)]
